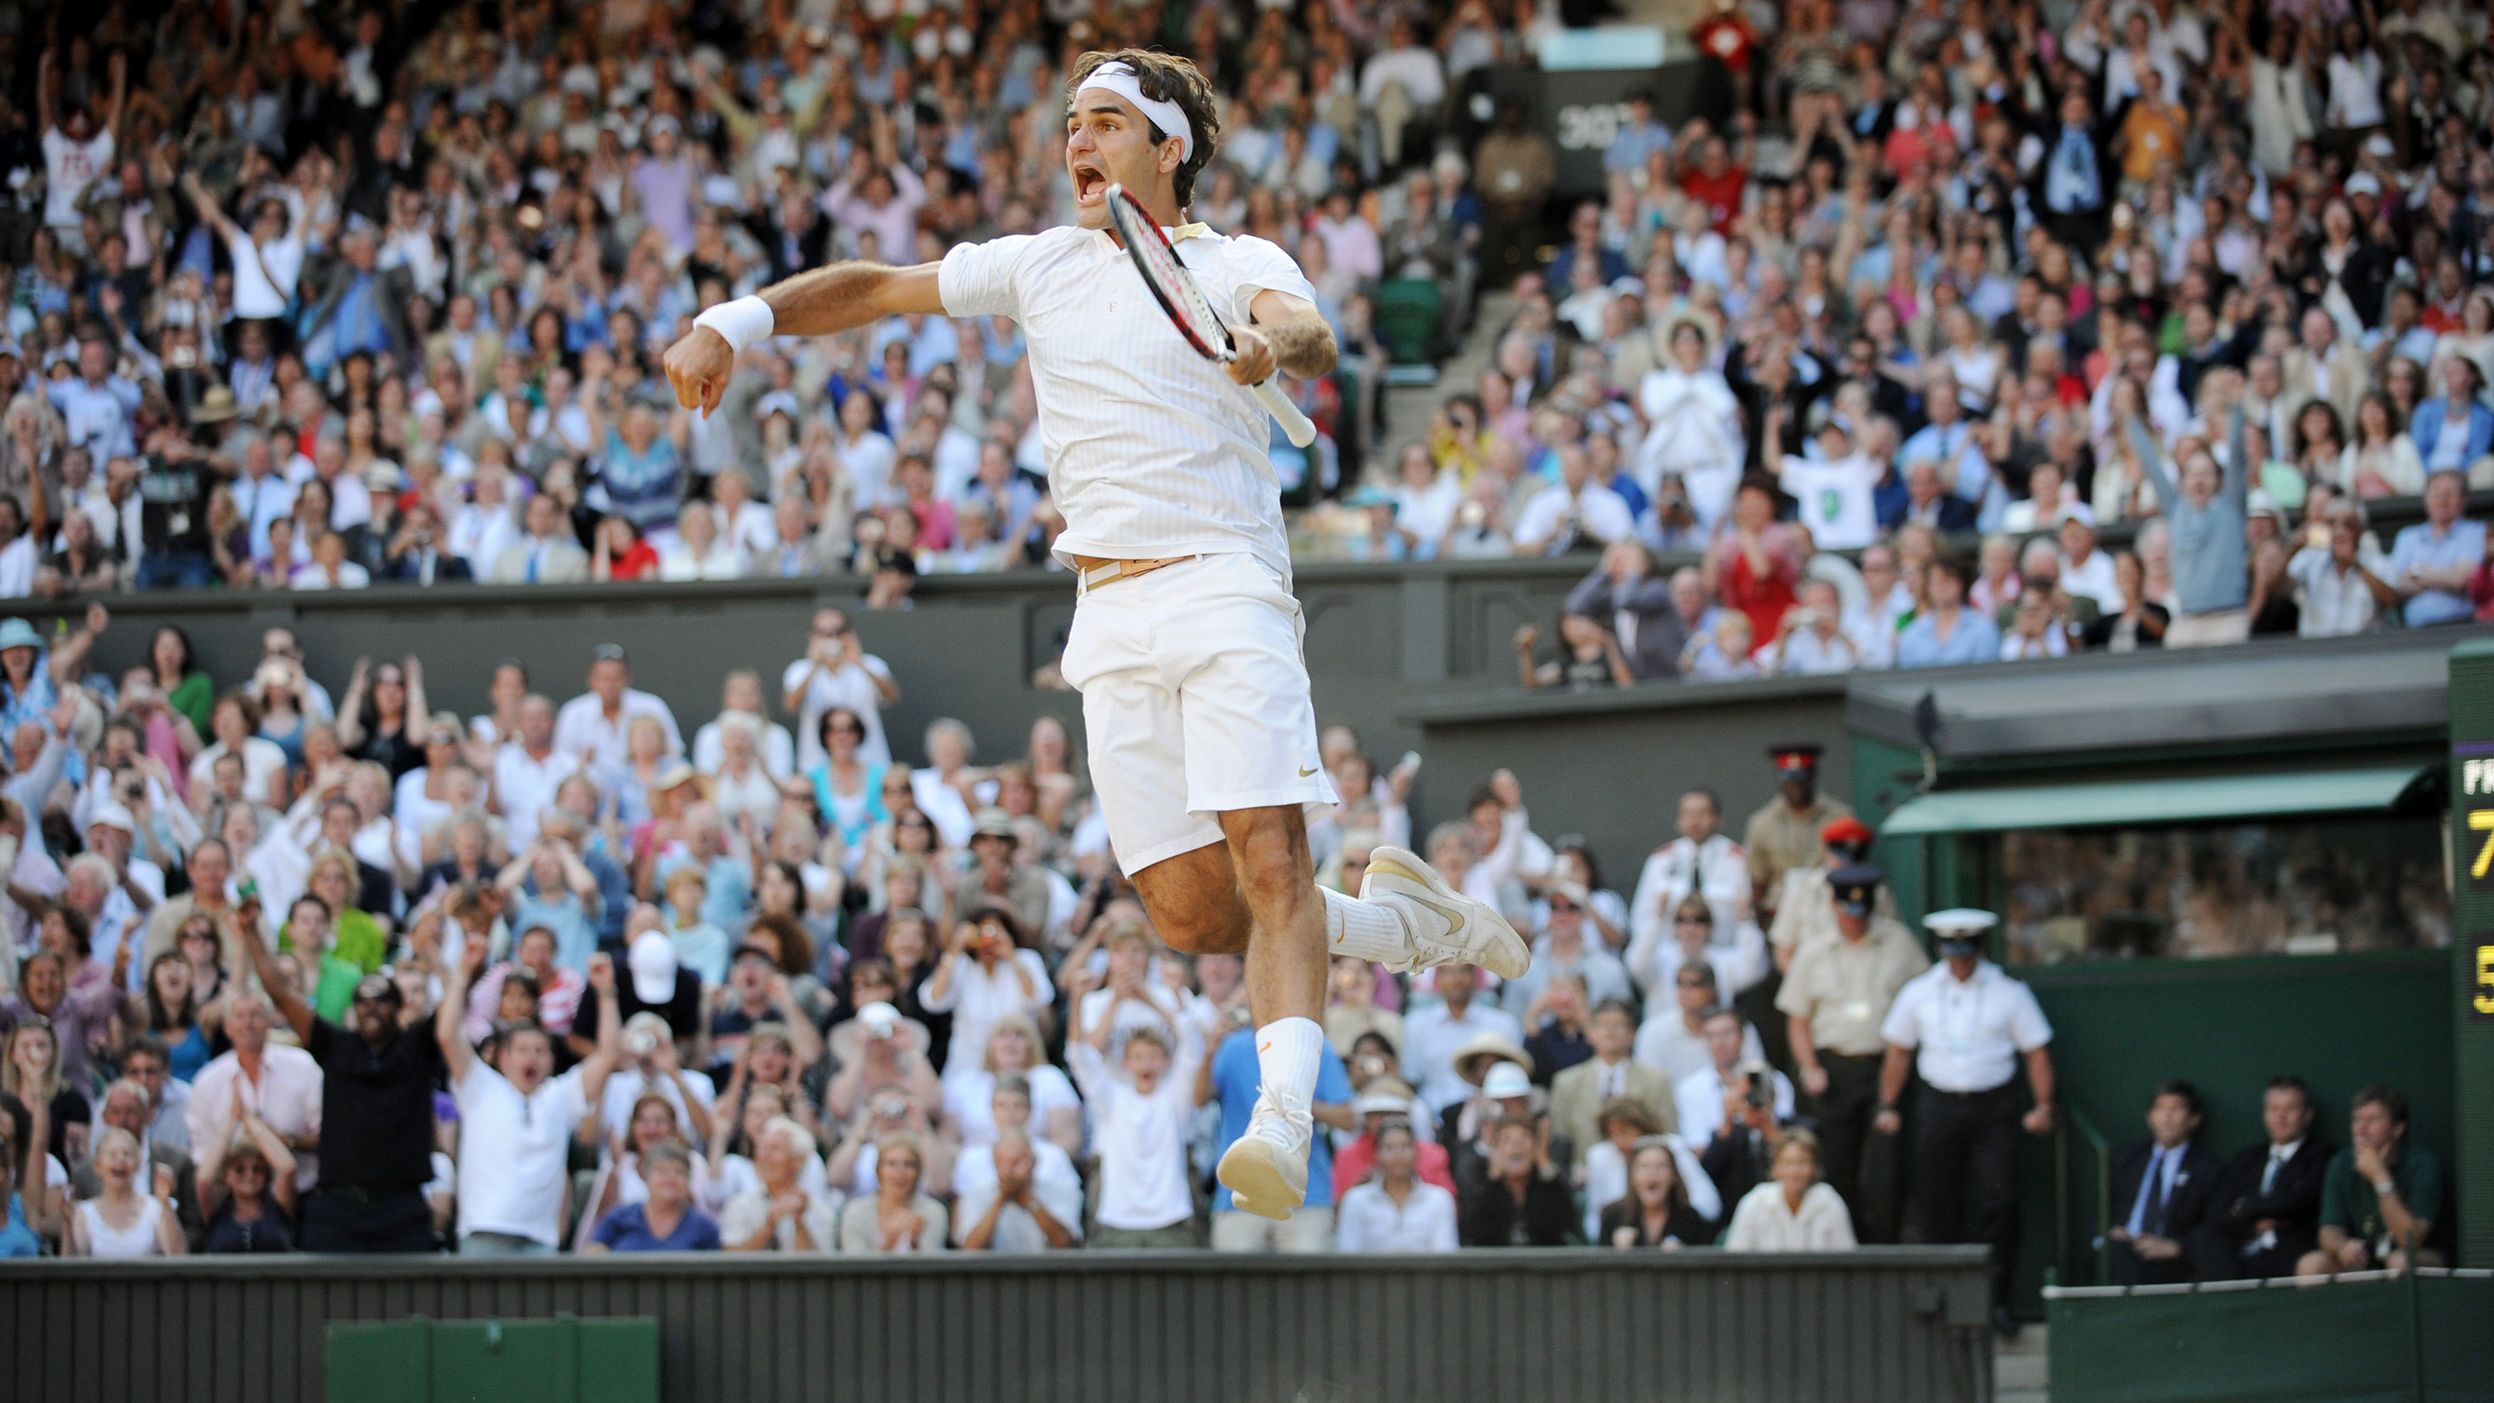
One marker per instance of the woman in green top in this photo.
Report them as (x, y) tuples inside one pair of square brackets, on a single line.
[(332, 977), (362, 939), (186, 688)]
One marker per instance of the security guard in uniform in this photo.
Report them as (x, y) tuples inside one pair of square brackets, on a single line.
[(1834, 999), (1965, 1025), (1785, 833), (1803, 914)]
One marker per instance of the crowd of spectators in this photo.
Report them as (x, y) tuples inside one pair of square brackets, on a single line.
[(326, 300), (356, 976)]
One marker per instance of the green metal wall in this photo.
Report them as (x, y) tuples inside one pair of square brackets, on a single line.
[(2348, 1342), (1881, 1325)]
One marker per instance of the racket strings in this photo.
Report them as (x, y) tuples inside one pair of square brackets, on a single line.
[(1160, 264)]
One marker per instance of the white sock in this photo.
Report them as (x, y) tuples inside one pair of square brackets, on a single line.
[(1289, 1051), (1365, 930)]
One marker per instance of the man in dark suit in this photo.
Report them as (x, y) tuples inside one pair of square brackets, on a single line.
[(2163, 1188), (2268, 1205), (1626, 595), (2073, 185)]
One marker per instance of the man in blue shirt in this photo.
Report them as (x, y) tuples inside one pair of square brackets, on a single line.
[(98, 408), (2430, 562), (1233, 1076)]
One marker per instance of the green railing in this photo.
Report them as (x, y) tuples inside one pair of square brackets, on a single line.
[(2072, 1123)]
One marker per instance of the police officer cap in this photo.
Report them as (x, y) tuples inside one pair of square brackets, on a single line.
[(1857, 884), (1960, 923)]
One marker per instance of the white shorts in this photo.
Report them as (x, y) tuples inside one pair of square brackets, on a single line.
[(1194, 702)]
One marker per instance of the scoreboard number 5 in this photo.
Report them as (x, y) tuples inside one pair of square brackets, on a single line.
[(2481, 992)]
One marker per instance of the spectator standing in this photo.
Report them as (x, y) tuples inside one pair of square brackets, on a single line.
[(1433, 1036), (281, 1085), (1784, 833), (1835, 997), (1966, 1027), (1625, 593), (2211, 574), (835, 672), (516, 1118), (1232, 1079), (376, 1111), (595, 727), (1139, 1115)]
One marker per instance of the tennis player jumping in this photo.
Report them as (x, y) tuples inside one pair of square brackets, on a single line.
[(1195, 692)]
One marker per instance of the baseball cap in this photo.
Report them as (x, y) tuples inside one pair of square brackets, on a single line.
[(652, 962), (2258, 502), (2079, 512), (608, 653), (17, 633), (2364, 183), (111, 814), (993, 823), (1504, 1080)]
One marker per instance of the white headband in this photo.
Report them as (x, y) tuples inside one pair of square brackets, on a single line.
[(1119, 77)]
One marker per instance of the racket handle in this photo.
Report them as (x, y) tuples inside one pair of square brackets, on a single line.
[(1294, 424)]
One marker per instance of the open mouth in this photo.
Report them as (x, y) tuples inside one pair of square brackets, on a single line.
[(1090, 183)]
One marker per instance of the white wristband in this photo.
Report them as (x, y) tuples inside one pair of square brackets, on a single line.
[(741, 322)]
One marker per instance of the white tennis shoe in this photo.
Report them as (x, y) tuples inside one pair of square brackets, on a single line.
[(1266, 1171), (1447, 927)]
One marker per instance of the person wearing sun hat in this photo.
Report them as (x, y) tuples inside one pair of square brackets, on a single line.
[(1966, 1026), (1784, 833)]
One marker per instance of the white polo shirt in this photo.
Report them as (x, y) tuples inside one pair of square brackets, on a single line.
[(1970, 1032), (513, 1152), (582, 728), (1151, 450)]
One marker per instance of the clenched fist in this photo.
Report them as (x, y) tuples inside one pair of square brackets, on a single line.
[(697, 366)]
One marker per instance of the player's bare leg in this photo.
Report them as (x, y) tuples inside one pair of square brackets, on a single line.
[(1256, 894)]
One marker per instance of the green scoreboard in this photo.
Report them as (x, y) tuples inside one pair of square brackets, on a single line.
[(2472, 912)]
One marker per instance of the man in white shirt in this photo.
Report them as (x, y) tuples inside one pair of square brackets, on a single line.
[(593, 726), (516, 1119), (1432, 1036), (2346, 583), (1574, 512), (837, 671), (77, 150), (1702, 859), (1016, 1208), (1159, 462), (98, 409), (1706, 1097), (528, 769), (2086, 570), (1966, 1027), (279, 1084)]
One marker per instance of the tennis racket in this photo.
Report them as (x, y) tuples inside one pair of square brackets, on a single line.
[(1174, 288)]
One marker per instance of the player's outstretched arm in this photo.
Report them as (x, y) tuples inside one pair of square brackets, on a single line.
[(817, 303)]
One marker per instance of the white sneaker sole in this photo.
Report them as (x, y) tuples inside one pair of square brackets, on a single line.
[(1474, 932), (1263, 1178)]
